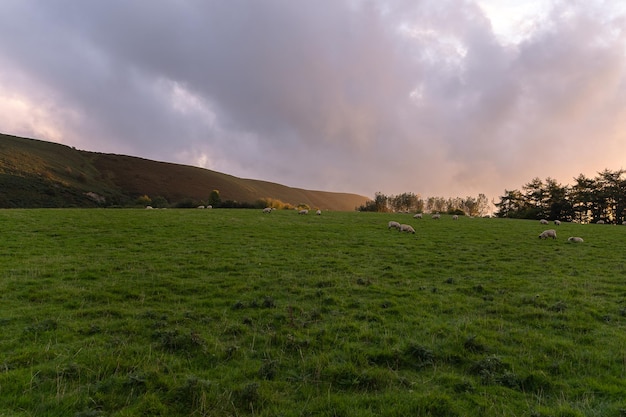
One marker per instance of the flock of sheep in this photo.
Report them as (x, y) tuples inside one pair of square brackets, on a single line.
[(546, 234), (402, 227), (268, 210), (408, 228), (551, 233)]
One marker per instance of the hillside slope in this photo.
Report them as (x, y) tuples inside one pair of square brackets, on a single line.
[(35, 173)]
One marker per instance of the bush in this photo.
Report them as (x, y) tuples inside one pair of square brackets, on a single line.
[(143, 200)]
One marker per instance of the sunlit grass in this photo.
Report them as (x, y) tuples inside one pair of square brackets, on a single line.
[(235, 312)]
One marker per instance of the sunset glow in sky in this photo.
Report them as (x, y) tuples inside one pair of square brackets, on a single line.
[(436, 97)]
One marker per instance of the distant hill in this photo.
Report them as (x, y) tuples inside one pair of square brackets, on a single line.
[(35, 173)]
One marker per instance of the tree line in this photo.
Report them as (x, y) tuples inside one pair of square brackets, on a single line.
[(586, 201), (410, 202)]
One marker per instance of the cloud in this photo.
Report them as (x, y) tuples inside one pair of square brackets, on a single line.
[(423, 96)]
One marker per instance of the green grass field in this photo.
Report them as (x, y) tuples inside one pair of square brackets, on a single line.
[(239, 313)]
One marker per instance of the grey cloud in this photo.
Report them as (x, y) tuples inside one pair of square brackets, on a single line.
[(343, 95)]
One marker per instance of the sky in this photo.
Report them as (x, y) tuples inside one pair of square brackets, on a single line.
[(446, 98)]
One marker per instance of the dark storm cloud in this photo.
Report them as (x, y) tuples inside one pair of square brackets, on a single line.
[(358, 96)]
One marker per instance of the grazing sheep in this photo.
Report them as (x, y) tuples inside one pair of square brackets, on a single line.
[(600, 222), (267, 210), (624, 222), (543, 221), (436, 216), (557, 222), (209, 206), (406, 228), (149, 207), (548, 233), (303, 211), (393, 224), (418, 216), (575, 239), (455, 217), (200, 207), (318, 212)]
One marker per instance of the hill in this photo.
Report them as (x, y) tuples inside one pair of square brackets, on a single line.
[(35, 173)]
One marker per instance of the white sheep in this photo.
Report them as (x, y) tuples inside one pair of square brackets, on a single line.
[(557, 222), (303, 211), (209, 206), (418, 216), (543, 221), (318, 212), (393, 224), (575, 239), (455, 217), (600, 222), (436, 216), (267, 210), (149, 207), (406, 228), (624, 222), (548, 233), (200, 207)]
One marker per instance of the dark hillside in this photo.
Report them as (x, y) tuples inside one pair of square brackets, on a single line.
[(36, 173), (175, 182)]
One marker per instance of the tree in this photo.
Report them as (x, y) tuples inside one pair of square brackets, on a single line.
[(612, 191), (380, 202), (455, 205), (511, 204), (535, 199), (588, 200), (369, 205), (482, 205), (582, 197), (476, 206), (214, 198), (557, 204), (436, 204), (404, 202)]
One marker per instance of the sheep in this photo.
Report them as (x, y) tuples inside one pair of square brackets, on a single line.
[(557, 222), (455, 217), (436, 216), (305, 211), (267, 210), (418, 216), (200, 207), (543, 221), (406, 228), (624, 223), (149, 207), (209, 206), (318, 212), (393, 224), (548, 233), (600, 222), (575, 239)]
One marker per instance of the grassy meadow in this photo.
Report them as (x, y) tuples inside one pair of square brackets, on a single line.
[(220, 312)]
